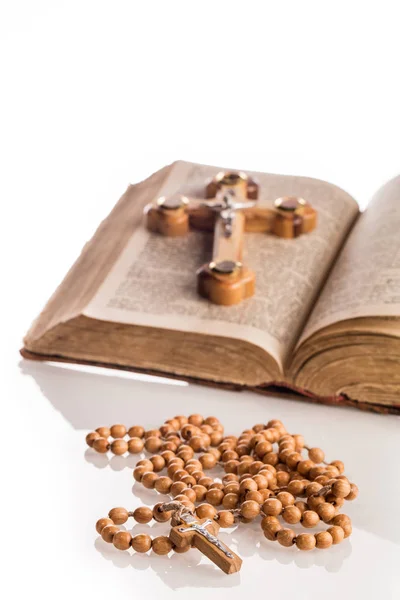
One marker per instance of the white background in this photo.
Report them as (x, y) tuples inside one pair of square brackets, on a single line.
[(98, 94)]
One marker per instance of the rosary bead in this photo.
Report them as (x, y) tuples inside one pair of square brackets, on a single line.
[(229, 478), (272, 507), (305, 541), (91, 437), (160, 515), (261, 481), (331, 471), (118, 515), (188, 480), (286, 499), (228, 455), (271, 530), (341, 488), (339, 466), (271, 458), (152, 433), (248, 485), (316, 472), (119, 447), (101, 523), (138, 473), (353, 492), (216, 438), (230, 501), (323, 540), (344, 522), (314, 501), (108, 532), (197, 475), (168, 456), (268, 521), (190, 493), (255, 467), (185, 453), (101, 445), (161, 545), (206, 511), (163, 485), (313, 488), (196, 420), (256, 496), (296, 487), (188, 431), (265, 493), (197, 443), (337, 502), (337, 534), (231, 466), (118, 431), (286, 537), (153, 444), (136, 431), (167, 428), (291, 514), (200, 492), (149, 479), (122, 540), (145, 462), (216, 485), (309, 518), (250, 509), (158, 462), (208, 461), (177, 488), (141, 542), (326, 511), (103, 432), (179, 474), (135, 445), (194, 462), (173, 468), (225, 518), (293, 460), (182, 420), (206, 429), (263, 448), (322, 479), (299, 440), (304, 467), (168, 445), (316, 455), (282, 478), (143, 514), (302, 506), (205, 481), (214, 496)]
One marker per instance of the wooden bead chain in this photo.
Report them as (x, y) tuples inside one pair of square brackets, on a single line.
[(266, 477)]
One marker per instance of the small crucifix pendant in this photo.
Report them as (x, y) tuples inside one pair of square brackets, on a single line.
[(202, 534)]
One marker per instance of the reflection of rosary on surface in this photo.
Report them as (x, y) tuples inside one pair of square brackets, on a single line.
[(265, 476)]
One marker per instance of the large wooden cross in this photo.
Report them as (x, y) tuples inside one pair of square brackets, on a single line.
[(202, 534), (230, 208)]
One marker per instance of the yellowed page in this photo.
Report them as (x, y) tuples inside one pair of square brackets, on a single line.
[(365, 281), (153, 283)]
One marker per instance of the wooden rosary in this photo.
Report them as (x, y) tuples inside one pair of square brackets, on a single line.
[(229, 208), (266, 477)]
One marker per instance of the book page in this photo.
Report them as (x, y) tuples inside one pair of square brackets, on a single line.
[(153, 283), (366, 279)]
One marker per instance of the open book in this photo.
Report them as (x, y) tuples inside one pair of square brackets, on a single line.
[(324, 321)]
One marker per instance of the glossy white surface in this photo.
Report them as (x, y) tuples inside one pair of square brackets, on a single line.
[(96, 95)]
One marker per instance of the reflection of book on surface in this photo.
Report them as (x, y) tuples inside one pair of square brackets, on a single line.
[(324, 320)]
